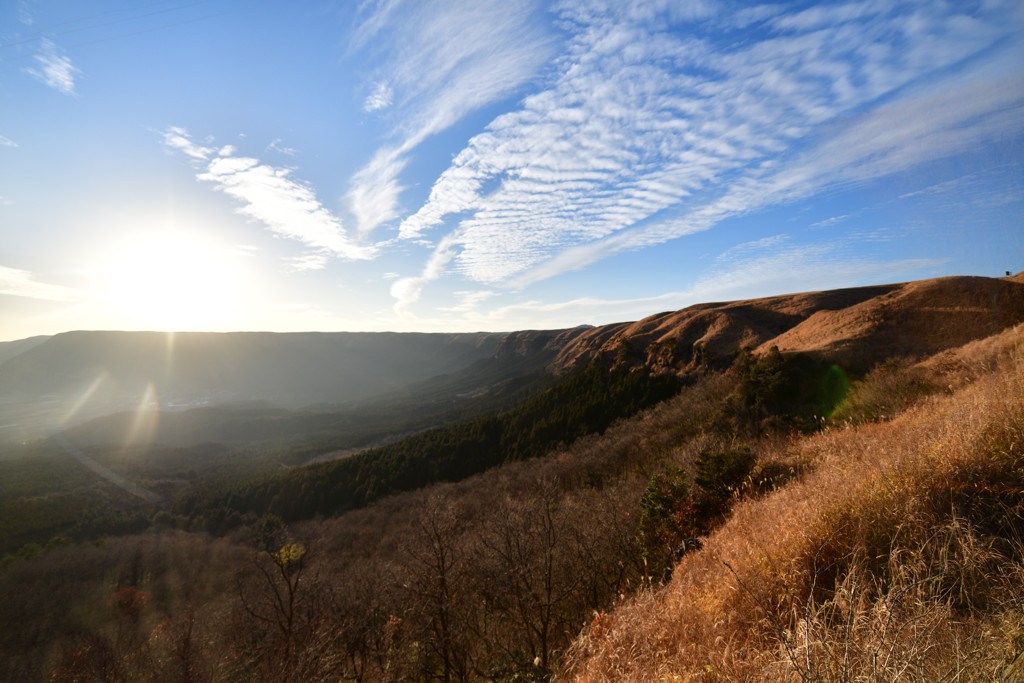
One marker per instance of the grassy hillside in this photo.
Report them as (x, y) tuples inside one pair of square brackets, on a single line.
[(898, 555)]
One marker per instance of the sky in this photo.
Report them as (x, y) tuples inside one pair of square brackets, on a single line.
[(448, 165)]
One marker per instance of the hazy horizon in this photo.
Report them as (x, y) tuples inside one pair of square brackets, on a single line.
[(493, 166)]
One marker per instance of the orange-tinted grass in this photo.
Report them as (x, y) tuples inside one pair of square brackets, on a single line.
[(899, 555)]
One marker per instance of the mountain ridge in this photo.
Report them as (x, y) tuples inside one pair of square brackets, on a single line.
[(856, 327)]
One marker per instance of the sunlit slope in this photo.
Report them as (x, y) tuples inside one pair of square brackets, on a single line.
[(857, 326), (916, 318), (897, 556)]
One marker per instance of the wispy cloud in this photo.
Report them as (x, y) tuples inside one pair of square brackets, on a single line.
[(316, 261), (406, 291), (373, 197), (890, 139), (380, 98), (7, 142), (650, 131), (443, 60), (469, 301), (995, 186), (25, 13), (178, 139), (54, 68), (747, 249), (278, 146), (267, 194), (832, 220), (22, 283)]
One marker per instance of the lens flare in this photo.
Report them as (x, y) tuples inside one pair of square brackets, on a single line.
[(84, 398), (147, 418)]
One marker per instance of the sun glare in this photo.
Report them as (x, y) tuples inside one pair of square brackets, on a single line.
[(172, 280)]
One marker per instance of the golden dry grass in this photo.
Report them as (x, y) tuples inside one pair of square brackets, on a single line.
[(914, 319), (857, 327), (898, 557)]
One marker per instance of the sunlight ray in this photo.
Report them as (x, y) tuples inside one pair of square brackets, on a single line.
[(147, 418), (84, 398)]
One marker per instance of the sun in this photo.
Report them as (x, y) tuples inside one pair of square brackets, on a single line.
[(172, 280)]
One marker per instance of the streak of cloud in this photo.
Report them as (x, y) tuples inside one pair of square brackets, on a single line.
[(22, 283), (380, 98), (54, 68), (267, 194)]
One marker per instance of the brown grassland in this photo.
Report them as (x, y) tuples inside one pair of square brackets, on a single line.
[(897, 556)]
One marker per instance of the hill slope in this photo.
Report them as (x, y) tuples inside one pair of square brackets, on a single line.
[(896, 557), (857, 326)]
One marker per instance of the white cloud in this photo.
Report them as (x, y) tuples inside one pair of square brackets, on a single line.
[(7, 142), (469, 301), (373, 197), (277, 146), (832, 220), (178, 139), (269, 195), (22, 283), (406, 291), (443, 60), (649, 132), (927, 125), (317, 261), (380, 98), (54, 68)]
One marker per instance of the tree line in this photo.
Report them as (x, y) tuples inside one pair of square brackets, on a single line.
[(583, 402)]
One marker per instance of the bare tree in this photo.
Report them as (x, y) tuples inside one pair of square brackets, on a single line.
[(534, 582), (433, 577), (284, 601)]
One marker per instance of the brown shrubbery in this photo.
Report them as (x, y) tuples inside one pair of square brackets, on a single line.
[(899, 556)]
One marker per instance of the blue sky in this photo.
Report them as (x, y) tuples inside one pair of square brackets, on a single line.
[(454, 166)]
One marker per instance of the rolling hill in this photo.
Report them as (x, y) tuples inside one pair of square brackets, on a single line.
[(858, 326)]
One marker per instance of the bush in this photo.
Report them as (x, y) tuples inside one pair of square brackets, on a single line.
[(786, 391), (885, 392), (664, 509), (720, 476)]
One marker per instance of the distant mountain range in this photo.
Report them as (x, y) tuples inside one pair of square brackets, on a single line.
[(292, 369), (856, 327)]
